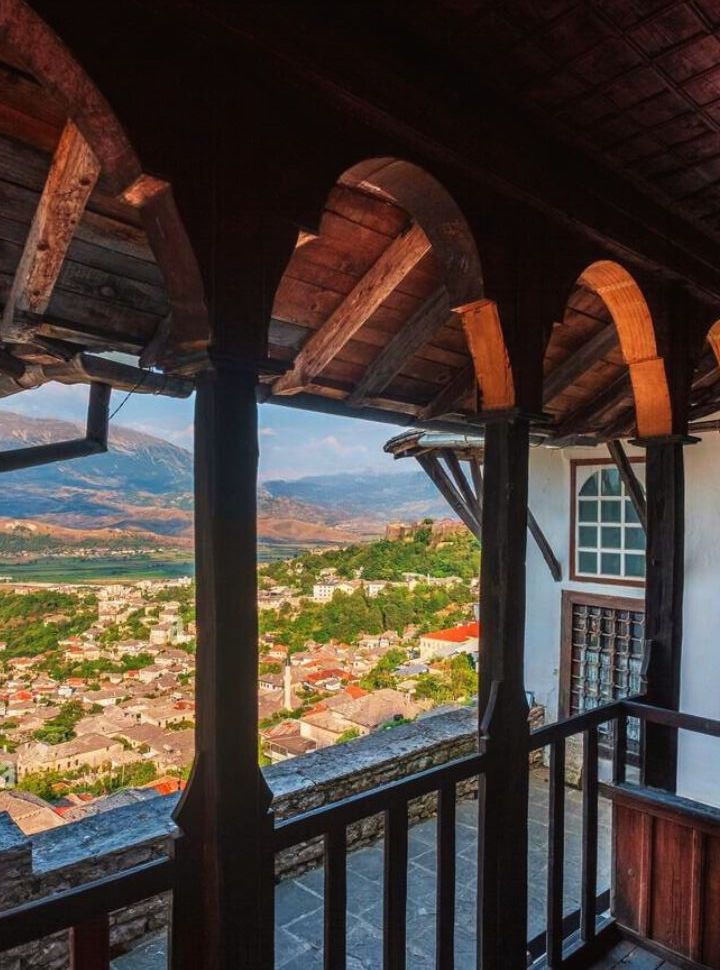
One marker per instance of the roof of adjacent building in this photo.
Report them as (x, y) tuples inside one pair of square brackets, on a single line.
[(30, 813), (456, 634)]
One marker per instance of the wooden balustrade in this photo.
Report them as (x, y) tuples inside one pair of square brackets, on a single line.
[(84, 911), (568, 940)]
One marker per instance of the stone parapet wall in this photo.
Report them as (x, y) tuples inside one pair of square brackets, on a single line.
[(82, 851)]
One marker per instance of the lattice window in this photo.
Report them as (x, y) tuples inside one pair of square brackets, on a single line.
[(609, 539), (606, 659)]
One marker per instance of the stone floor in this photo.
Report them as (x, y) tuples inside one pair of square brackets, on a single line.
[(299, 902), (628, 956)]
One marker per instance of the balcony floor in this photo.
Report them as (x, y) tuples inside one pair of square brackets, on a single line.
[(628, 956), (299, 901)]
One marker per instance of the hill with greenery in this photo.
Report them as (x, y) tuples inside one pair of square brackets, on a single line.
[(347, 617), (350, 615), (25, 624), (455, 555)]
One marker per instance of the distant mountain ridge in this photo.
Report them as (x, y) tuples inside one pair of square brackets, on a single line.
[(144, 483), (379, 496)]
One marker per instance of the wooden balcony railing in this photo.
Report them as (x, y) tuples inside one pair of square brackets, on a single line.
[(568, 941), (84, 911)]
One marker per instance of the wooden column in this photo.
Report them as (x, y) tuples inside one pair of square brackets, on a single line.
[(502, 883), (222, 916), (665, 488)]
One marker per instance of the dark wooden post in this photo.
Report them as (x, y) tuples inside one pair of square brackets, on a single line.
[(222, 917), (90, 944), (502, 882), (665, 487), (680, 330)]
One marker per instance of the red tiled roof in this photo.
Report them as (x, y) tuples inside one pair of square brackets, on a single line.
[(316, 709), (352, 690), (326, 673), (167, 785), (457, 634)]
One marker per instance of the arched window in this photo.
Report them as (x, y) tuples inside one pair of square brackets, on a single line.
[(609, 539)]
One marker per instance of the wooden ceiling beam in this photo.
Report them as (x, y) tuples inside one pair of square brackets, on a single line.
[(388, 271), (588, 354), (41, 325), (455, 391), (594, 409), (73, 173), (420, 328)]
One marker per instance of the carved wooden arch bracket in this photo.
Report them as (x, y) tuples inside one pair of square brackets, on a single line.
[(486, 341), (634, 324)]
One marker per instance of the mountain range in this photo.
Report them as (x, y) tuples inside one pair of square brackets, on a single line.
[(143, 486)]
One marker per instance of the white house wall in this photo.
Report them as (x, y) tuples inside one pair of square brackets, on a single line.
[(550, 500), (699, 760)]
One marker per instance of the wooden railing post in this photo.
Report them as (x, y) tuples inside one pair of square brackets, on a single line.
[(502, 873), (222, 915), (90, 944)]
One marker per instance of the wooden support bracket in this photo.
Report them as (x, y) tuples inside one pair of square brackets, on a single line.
[(94, 442), (630, 480)]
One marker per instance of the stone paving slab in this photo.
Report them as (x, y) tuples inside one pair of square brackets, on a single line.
[(299, 901)]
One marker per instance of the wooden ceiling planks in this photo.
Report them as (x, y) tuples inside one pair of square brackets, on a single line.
[(395, 262), (388, 361), (575, 67), (76, 269), (638, 87)]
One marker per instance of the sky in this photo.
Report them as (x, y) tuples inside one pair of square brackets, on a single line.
[(293, 443)]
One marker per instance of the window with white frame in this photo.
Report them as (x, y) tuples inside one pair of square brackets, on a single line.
[(609, 539)]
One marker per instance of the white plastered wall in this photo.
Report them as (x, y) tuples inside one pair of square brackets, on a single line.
[(549, 499), (699, 757)]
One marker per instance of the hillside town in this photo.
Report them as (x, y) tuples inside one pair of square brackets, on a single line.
[(97, 681)]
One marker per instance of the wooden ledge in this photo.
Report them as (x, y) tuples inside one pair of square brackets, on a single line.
[(661, 803)]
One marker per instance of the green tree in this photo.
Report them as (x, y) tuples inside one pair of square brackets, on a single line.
[(61, 728), (41, 783)]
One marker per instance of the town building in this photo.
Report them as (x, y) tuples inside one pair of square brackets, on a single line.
[(447, 643)]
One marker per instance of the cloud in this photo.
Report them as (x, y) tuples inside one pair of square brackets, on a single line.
[(333, 444), (65, 401), (268, 433), (177, 436)]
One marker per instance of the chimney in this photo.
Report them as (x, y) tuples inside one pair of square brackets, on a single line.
[(287, 684)]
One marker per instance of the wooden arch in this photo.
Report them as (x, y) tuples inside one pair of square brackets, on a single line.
[(433, 222), (95, 134), (636, 332), (713, 338), (434, 209)]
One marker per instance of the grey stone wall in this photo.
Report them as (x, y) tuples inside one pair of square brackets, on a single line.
[(82, 851), (61, 858)]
